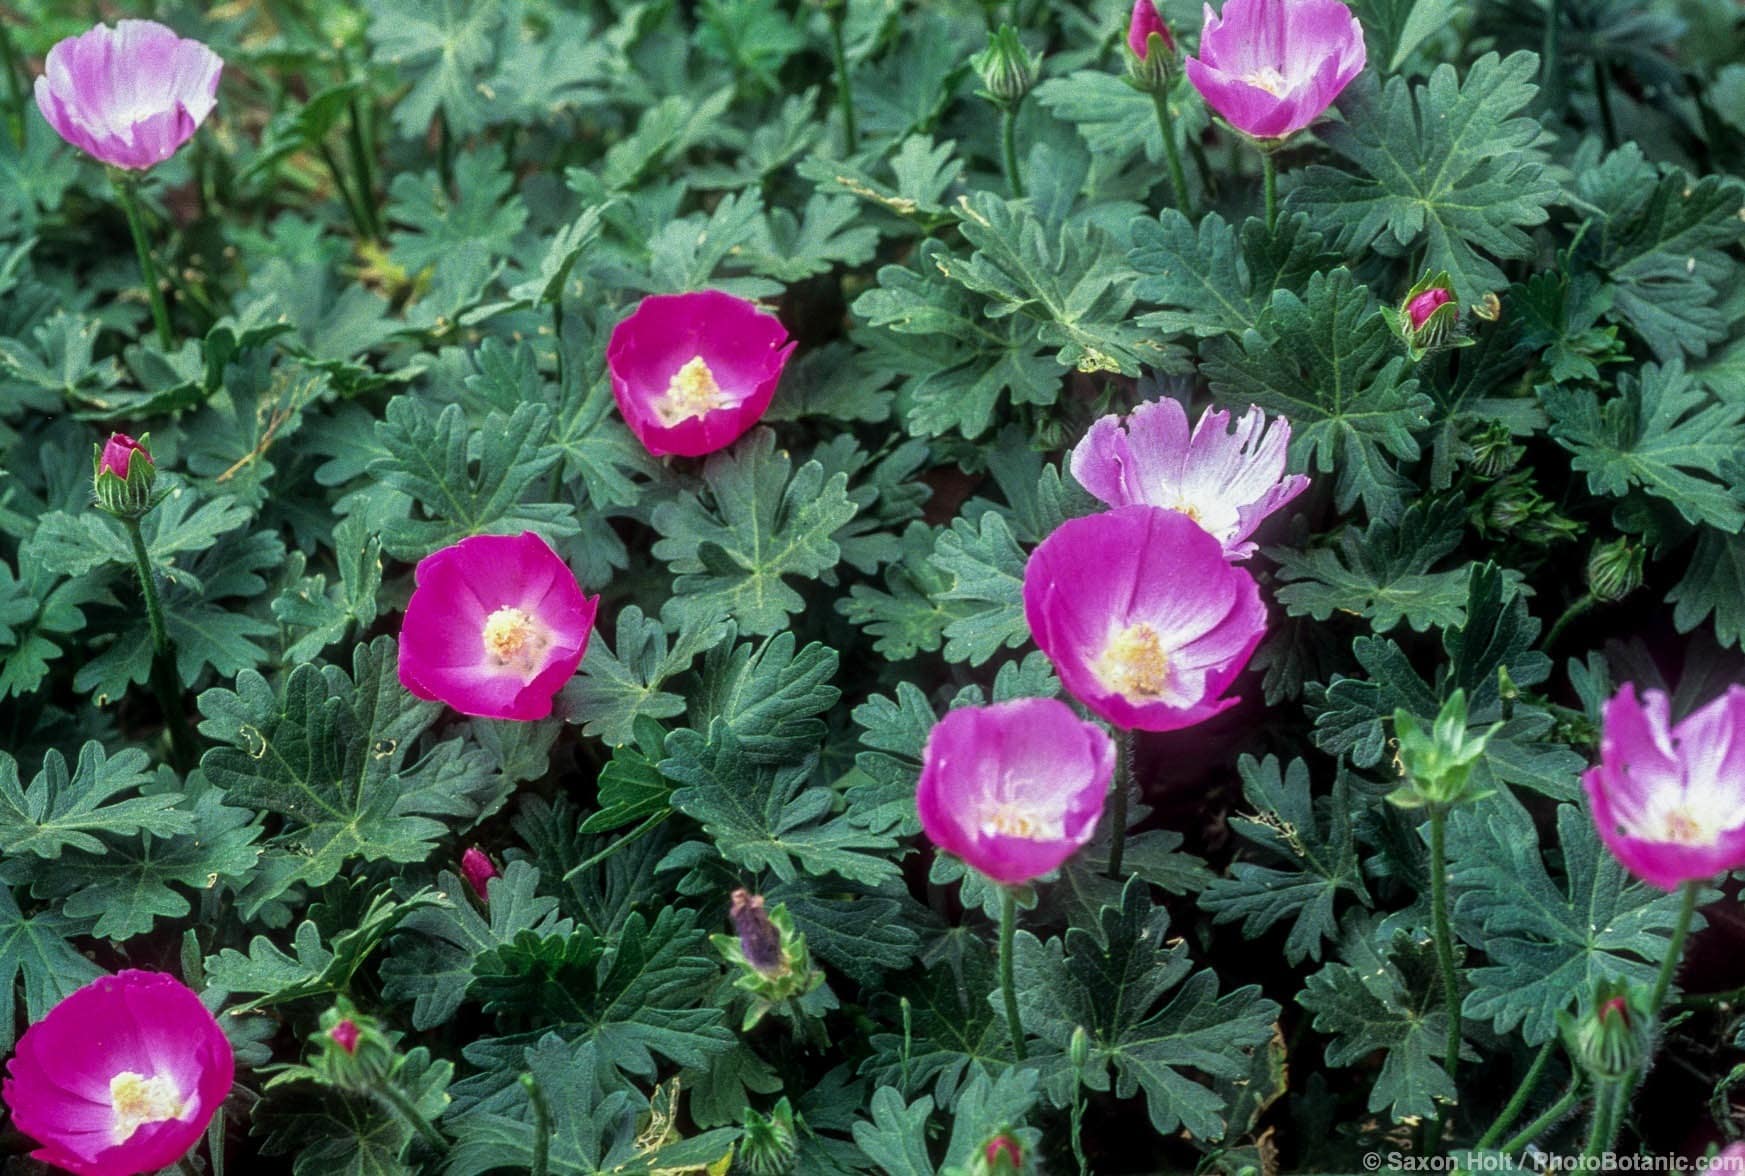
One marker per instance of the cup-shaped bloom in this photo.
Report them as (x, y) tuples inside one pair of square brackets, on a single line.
[(495, 627), (693, 372), (1669, 800), (1016, 788), (1227, 480), (120, 1077), (1145, 621), (1272, 67), (1145, 21), (131, 95)]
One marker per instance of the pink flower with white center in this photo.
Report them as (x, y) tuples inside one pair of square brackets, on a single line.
[(692, 372), (1016, 788), (1144, 22), (1145, 621), (1669, 800), (131, 95), (1272, 67), (118, 454), (121, 1077), (1422, 306), (495, 627), (1226, 479)]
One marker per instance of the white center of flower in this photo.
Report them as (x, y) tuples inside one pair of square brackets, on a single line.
[(690, 394), (1269, 79), (139, 1100), (1135, 664), (1011, 818), (1682, 827), (1216, 516), (514, 639)]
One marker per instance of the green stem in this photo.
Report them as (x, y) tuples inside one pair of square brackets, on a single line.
[(444, 152), (541, 1126), (1603, 95), (1177, 177), (154, 607), (363, 167), (844, 93), (1674, 950), (148, 269), (359, 218), (1269, 172), (1118, 802), (1550, 77), (396, 1098), (163, 664), (1580, 606), (1444, 939), (1604, 1128), (1522, 1093), (1009, 145), (1008, 924), (14, 87), (647, 824), (1544, 1122)]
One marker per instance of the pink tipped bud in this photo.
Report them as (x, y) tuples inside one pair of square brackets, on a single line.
[(1002, 1153), (478, 870), (345, 1035), (1144, 22), (1616, 1005), (1422, 306), (759, 940), (118, 454)]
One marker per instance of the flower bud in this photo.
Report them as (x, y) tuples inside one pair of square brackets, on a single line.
[(1007, 69), (1080, 1048), (1437, 764), (345, 1035), (478, 869), (1001, 1155), (1493, 452), (351, 1051), (1614, 570), (769, 1145), (1611, 1039), (1426, 319), (122, 473), (774, 965), (1150, 49)]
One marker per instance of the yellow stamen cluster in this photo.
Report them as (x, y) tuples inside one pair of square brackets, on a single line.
[(1269, 79), (139, 1100), (692, 392), (1008, 820), (1684, 829), (1135, 664), (513, 638)]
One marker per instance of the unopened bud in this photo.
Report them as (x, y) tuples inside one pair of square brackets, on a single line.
[(1080, 1048), (1150, 49), (122, 474), (1002, 1156), (345, 1035), (1007, 69), (1614, 570), (759, 940), (478, 869), (1437, 764), (1426, 319), (769, 1145), (1610, 1040)]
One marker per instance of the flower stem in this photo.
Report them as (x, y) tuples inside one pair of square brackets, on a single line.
[(163, 666), (14, 88), (1009, 146), (1522, 1093), (363, 167), (1608, 1098), (1603, 95), (844, 93), (1543, 1123), (1444, 941), (1674, 950), (647, 824), (1178, 178), (359, 218), (1118, 803), (541, 1126), (396, 1098), (1269, 171), (1550, 77), (148, 269), (1585, 602), (1008, 924)]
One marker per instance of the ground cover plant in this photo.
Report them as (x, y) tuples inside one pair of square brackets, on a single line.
[(950, 587)]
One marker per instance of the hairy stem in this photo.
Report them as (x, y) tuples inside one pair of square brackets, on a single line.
[(647, 824), (1008, 924), (1586, 601), (1674, 950), (1522, 1093), (164, 683), (1545, 1121), (844, 93), (1603, 95), (1118, 802), (148, 269), (363, 167), (1172, 153), (1269, 173), (541, 1126), (396, 1098), (1444, 941), (1009, 149), (14, 86)]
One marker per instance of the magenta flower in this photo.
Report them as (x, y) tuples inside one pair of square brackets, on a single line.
[(1226, 481), (478, 869), (345, 1035), (1143, 618), (118, 454), (1420, 307), (1669, 801), (1145, 21), (495, 627), (1016, 788), (1272, 67), (693, 372), (131, 95), (121, 1077), (760, 941)]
